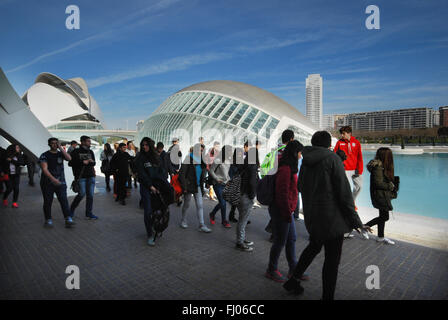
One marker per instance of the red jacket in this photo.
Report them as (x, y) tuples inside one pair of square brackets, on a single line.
[(286, 192), (353, 152)]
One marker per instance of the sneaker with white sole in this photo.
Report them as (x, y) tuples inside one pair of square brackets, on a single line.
[(244, 247), (365, 234), (348, 235), (183, 225), (385, 240), (203, 228), (48, 223)]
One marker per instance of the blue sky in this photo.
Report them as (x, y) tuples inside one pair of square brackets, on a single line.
[(134, 54)]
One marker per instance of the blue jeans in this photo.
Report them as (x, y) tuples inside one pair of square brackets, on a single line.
[(87, 187), (145, 193), (284, 236), (48, 191), (222, 203)]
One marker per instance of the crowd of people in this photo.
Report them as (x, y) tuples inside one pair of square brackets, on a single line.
[(320, 174)]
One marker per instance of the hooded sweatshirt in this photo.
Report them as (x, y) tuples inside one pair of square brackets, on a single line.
[(328, 205), (380, 186)]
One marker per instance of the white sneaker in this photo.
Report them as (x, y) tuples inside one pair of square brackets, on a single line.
[(365, 234), (184, 225), (348, 235), (203, 228), (385, 240), (256, 205)]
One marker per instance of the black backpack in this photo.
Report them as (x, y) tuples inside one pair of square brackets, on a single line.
[(266, 189), (160, 216)]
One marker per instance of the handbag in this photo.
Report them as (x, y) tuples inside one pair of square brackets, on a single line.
[(396, 182), (232, 190), (75, 184), (210, 181)]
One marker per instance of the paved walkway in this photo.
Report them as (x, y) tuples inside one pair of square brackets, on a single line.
[(116, 263)]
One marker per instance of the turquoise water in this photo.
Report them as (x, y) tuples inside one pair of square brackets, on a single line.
[(423, 184)]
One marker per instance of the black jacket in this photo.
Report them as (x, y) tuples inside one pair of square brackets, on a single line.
[(78, 156), (173, 167), (119, 164), (17, 163), (187, 176), (249, 179), (380, 186), (148, 172), (328, 205)]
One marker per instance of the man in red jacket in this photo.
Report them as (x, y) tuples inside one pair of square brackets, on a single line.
[(353, 164)]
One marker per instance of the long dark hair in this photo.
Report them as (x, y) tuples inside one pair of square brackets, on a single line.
[(226, 153), (11, 151), (385, 156), (152, 154), (290, 155), (108, 150)]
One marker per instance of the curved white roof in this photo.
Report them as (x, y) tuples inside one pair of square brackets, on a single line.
[(52, 99), (258, 97)]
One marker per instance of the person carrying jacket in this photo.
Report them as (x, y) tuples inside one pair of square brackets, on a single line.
[(120, 168), (12, 166), (152, 178), (83, 161), (248, 170), (381, 186), (219, 172), (192, 178), (329, 212), (281, 211)]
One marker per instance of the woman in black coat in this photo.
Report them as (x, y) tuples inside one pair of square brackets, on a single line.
[(381, 186), (120, 168), (12, 166)]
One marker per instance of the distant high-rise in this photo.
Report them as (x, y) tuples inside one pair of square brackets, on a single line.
[(314, 99)]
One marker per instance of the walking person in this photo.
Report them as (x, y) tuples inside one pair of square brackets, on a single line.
[(3, 175), (152, 178), (381, 187), (270, 164), (106, 158), (353, 165), (247, 169), (73, 146), (120, 168), (297, 210), (132, 153), (192, 177), (173, 162), (329, 212), (83, 166), (219, 173), (282, 209), (52, 181), (30, 168), (12, 165)]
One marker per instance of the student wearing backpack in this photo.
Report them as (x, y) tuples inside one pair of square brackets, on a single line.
[(219, 172), (381, 187), (192, 178), (149, 173), (247, 169), (271, 161), (282, 209)]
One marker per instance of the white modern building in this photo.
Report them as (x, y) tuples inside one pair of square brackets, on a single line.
[(63, 104), (314, 99), (228, 111)]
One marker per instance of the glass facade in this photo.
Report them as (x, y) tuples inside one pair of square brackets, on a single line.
[(214, 111)]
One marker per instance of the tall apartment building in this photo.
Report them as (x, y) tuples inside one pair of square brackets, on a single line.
[(314, 99), (443, 116), (412, 118)]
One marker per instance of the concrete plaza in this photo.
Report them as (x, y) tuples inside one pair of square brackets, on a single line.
[(116, 263)]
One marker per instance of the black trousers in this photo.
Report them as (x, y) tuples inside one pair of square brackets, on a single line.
[(121, 186), (107, 178), (31, 168), (380, 221), (333, 251), (12, 185)]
